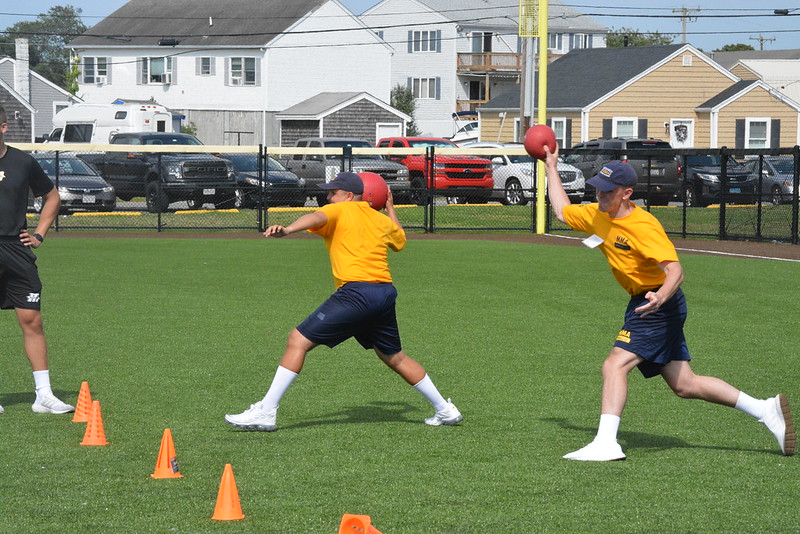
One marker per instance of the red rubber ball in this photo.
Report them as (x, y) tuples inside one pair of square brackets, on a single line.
[(376, 191), (537, 137)]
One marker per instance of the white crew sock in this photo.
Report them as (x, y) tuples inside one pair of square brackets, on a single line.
[(607, 429), (41, 379), (429, 391), (750, 406), (280, 383)]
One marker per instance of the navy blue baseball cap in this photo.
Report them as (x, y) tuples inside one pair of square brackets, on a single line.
[(346, 181), (613, 174)]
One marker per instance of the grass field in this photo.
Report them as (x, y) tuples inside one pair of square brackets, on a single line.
[(174, 333)]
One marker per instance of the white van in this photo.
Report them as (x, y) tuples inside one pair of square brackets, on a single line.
[(96, 123)]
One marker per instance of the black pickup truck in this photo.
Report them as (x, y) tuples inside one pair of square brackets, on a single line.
[(166, 177)]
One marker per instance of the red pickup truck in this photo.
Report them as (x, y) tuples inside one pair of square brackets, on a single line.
[(465, 178)]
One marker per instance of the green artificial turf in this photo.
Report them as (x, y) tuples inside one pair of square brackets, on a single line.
[(174, 333)]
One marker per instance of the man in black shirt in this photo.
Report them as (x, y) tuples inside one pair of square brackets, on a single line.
[(20, 287)]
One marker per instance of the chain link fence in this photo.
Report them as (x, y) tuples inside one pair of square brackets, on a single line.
[(695, 193)]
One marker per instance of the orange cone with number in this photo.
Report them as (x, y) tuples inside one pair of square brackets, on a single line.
[(357, 524), (228, 507), (83, 409), (95, 433), (167, 462)]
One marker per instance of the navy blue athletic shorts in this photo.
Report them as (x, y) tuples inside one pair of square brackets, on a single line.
[(363, 310), (20, 286), (658, 337)]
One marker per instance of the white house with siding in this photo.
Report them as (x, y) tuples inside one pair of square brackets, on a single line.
[(229, 67), (456, 56)]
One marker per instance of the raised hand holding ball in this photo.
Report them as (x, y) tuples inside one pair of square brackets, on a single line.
[(376, 191), (536, 138)]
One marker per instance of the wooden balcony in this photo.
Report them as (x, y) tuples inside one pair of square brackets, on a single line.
[(469, 105), (489, 62)]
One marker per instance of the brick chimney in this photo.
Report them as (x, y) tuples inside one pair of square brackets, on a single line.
[(22, 75)]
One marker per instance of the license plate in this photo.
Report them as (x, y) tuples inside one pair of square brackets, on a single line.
[(209, 192), (656, 172), (89, 199), (735, 190)]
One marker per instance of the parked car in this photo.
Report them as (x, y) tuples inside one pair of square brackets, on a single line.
[(464, 177), (79, 185), (777, 177), (513, 176), (662, 175), (165, 177), (278, 186), (702, 184), (320, 168)]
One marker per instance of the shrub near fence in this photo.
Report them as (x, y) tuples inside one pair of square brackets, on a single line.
[(766, 215)]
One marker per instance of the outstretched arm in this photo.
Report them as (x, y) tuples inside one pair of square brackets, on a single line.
[(306, 222), (555, 189)]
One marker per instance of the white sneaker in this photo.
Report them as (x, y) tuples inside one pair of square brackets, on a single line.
[(778, 419), (2, 410), (49, 403), (598, 451), (450, 416), (254, 418)]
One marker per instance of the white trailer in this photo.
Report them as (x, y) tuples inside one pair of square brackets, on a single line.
[(96, 123)]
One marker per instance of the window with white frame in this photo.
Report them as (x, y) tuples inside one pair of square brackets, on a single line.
[(424, 88), (552, 41), (581, 40), (243, 71), (205, 66), (424, 41), (756, 132), (624, 127), (559, 125), (93, 68), (157, 70)]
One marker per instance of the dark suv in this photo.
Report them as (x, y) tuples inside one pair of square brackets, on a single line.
[(661, 177), (163, 177), (703, 183)]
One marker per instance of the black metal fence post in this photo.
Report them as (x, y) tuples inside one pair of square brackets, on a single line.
[(58, 177), (723, 185), (158, 194), (263, 210), (430, 169), (795, 185)]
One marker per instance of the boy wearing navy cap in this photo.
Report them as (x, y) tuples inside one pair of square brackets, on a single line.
[(645, 263)]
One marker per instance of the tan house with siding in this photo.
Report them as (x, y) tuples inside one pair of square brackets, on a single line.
[(672, 92)]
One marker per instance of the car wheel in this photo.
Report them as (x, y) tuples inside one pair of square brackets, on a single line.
[(418, 193), (155, 203), (514, 195), (776, 196)]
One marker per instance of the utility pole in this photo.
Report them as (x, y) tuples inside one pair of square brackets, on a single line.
[(685, 18), (761, 39)]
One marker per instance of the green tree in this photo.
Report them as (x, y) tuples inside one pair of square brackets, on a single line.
[(48, 36), (402, 99), (737, 47), (616, 38)]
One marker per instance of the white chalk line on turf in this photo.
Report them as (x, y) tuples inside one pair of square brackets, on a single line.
[(719, 253)]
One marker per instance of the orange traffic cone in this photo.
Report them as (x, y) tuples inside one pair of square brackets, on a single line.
[(167, 463), (357, 524), (228, 507), (95, 434), (83, 409)]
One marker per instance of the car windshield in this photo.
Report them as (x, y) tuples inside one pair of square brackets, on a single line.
[(66, 165), (249, 162), (352, 143), (710, 160), (170, 140), (783, 165), (425, 143), (520, 158)]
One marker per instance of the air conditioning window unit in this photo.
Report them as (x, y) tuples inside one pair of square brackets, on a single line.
[(100, 80), (236, 81), (167, 77)]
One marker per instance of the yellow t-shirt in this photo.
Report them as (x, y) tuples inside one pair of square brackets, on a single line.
[(358, 238), (633, 245)]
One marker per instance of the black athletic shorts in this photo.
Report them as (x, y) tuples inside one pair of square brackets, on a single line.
[(20, 286)]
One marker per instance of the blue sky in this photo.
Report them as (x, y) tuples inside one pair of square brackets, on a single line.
[(716, 18)]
